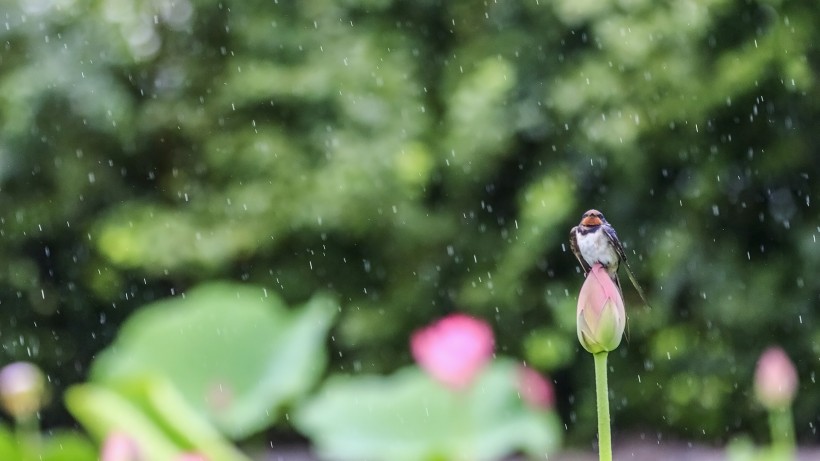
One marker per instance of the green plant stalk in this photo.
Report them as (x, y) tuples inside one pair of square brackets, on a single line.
[(781, 425), (602, 394), (28, 437), (464, 420)]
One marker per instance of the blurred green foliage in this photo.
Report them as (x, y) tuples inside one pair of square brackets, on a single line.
[(184, 372), (58, 446), (409, 416), (414, 158)]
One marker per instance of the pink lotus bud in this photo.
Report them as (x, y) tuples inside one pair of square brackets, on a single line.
[(119, 446), (454, 349), (190, 457), (775, 379), (601, 315), (22, 389), (534, 389)]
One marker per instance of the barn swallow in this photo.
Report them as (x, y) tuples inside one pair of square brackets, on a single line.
[(594, 241)]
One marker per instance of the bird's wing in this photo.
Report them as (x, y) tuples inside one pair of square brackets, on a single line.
[(573, 245), (609, 231)]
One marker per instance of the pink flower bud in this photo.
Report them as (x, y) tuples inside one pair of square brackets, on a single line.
[(775, 379), (601, 315), (534, 389), (190, 457), (454, 349), (119, 446), (22, 389)]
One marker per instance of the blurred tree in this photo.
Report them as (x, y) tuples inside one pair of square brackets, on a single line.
[(417, 158)]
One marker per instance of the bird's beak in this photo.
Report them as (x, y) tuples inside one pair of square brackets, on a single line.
[(591, 221)]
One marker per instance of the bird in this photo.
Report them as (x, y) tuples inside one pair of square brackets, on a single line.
[(594, 241)]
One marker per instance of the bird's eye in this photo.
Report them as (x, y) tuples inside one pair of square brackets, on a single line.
[(599, 215)]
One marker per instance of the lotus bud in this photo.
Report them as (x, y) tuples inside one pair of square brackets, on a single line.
[(534, 388), (454, 349), (22, 390), (190, 457), (775, 379), (601, 315), (119, 446)]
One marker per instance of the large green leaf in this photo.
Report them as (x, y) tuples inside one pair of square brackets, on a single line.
[(67, 446), (235, 353), (56, 446), (408, 416), (8, 446), (153, 414)]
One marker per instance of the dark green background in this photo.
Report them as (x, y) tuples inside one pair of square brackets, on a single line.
[(416, 158)]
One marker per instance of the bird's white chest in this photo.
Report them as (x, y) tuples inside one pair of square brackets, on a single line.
[(595, 248)]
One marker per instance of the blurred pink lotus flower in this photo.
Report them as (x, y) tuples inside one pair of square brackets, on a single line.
[(119, 446), (601, 315), (190, 457), (775, 379), (454, 349), (22, 389), (534, 388)]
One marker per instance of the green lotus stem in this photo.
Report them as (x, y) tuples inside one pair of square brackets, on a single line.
[(781, 425), (602, 394), (28, 437)]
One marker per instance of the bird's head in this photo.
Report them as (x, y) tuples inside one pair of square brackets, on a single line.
[(592, 218)]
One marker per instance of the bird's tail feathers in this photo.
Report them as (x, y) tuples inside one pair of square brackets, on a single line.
[(635, 284)]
